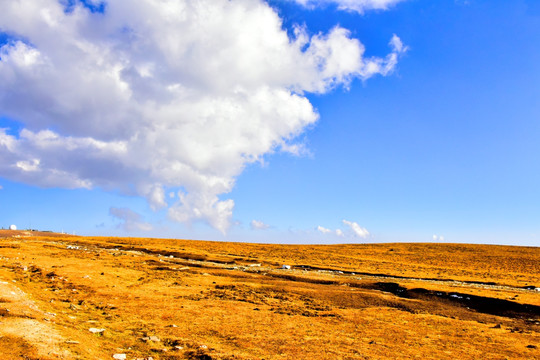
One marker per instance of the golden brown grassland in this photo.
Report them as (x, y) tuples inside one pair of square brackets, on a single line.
[(181, 299)]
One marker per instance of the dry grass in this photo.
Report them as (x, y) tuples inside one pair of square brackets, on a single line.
[(215, 300)]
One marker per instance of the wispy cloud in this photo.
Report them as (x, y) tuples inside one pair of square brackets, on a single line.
[(354, 230), (359, 6), (130, 220), (258, 225), (438, 238), (324, 230)]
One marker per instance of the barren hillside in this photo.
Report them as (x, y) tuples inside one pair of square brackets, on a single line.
[(68, 297)]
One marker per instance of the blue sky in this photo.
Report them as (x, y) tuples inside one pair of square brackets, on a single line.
[(441, 145)]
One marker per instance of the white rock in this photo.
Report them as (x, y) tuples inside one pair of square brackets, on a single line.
[(96, 330), (286, 267), (119, 356)]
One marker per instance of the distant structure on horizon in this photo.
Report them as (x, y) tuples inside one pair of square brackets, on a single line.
[(12, 227)]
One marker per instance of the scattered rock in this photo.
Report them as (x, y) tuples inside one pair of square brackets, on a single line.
[(71, 342), (531, 346), (151, 338), (286, 267), (120, 356), (96, 330), (498, 326)]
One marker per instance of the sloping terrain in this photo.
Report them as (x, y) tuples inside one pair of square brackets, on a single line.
[(68, 297)]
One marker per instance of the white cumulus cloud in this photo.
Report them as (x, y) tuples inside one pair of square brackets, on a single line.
[(258, 225), (158, 97), (357, 230), (352, 5)]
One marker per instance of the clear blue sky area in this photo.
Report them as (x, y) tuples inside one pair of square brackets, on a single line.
[(446, 147)]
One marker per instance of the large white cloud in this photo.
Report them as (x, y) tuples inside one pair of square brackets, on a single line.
[(352, 5), (150, 96)]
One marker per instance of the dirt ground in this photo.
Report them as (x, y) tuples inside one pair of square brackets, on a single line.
[(69, 297)]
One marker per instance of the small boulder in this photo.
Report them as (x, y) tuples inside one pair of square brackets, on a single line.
[(120, 356)]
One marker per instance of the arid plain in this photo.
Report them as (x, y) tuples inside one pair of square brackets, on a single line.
[(70, 297)]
